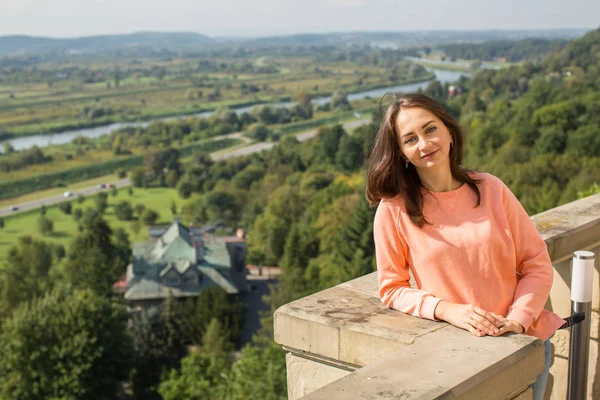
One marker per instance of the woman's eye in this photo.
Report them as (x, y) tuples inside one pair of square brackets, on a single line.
[(431, 129), (409, 140)]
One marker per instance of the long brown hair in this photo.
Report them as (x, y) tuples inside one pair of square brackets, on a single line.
[(387, 176)]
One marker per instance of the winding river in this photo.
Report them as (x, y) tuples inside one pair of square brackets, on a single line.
[(65, 137)]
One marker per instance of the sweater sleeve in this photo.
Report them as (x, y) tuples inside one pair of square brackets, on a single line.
[(392, 268), (532, 261)]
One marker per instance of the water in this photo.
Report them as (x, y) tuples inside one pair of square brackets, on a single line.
[(66, 137)]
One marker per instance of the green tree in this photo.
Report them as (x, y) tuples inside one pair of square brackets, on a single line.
[(200, 377), (158, 348), (149, 216), (259, 373), (77, 214), (45, 225), (25, 274), (139, 209), (1, 222), (349, 156), (93, 260), (138, 177), (66, 207), (101, 202), (124, 211), (68, 344), (43, 210), (339, 100)]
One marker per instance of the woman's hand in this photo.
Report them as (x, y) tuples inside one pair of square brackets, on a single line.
[(508, 326), (471, 318)]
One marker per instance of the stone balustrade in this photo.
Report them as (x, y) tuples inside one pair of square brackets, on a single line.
[(343, 343)]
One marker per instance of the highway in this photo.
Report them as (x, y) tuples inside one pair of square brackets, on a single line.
[(303, 136)]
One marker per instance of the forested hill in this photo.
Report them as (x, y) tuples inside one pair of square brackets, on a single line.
[(188, 41), (512, 51), (19, 44)]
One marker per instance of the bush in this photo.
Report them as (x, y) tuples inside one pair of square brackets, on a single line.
[(149, 216), (139, 209), (45, 225), (77, 214), (122, 174), (66, 207), (124, 211)]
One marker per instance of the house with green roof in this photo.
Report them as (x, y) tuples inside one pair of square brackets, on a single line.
[(183, 262)]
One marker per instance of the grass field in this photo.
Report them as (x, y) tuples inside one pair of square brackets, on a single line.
[(65, 227)]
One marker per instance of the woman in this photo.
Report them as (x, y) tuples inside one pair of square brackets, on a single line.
[(478, 260)]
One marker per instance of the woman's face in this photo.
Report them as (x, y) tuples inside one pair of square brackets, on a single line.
[(423, 138)]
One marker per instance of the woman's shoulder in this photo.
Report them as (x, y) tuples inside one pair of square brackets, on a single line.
[(487, 180)]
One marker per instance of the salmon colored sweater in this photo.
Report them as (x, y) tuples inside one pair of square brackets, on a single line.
[(491, 256)]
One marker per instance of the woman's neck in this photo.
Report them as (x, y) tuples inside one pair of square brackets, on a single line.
[(439, 180)]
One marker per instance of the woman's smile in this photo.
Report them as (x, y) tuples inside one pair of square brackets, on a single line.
[(430, 155)]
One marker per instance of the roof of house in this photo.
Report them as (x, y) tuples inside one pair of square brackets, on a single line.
[(175, 250)]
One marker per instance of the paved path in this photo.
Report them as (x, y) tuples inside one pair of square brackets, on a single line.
[(303, 136)]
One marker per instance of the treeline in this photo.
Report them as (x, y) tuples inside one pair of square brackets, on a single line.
[(19, 187), (511, 50)]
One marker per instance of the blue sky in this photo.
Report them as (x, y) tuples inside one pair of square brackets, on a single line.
[(69, 18)]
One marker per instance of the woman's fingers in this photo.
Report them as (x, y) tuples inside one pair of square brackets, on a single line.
[(483, 324), (492, 317)]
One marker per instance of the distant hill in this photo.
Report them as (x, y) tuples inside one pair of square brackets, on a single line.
[(411, 38), (186, 41), (19, 44)]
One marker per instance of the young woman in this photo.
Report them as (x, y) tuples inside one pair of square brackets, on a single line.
[(478, 261)]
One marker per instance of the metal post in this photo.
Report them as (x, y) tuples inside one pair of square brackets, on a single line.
[(581, 299)]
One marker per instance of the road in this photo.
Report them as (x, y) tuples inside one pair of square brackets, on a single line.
[(303, 136)]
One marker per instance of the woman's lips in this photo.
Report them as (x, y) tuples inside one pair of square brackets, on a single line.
[(429, 155)]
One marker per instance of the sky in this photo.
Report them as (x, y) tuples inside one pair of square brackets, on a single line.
[(74, 18)]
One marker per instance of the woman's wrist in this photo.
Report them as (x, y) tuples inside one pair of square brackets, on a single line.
[(440, 309)]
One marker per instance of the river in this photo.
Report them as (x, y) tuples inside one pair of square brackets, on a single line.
[(66, 137)]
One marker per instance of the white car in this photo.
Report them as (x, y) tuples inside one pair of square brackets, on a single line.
[(68, 194)]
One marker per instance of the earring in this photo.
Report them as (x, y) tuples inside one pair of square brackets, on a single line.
[(406, 165)]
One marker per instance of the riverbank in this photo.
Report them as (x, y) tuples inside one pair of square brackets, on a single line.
[(59, 128)]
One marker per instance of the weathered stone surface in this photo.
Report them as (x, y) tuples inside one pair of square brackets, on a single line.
[(366, 285), (305, 376), (570, 227), (345, 325), (449, 363), (526, 395)]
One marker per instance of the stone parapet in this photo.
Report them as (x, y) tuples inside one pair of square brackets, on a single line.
[(344, 343)]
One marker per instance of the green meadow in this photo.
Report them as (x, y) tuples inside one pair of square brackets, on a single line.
[(65, 226)]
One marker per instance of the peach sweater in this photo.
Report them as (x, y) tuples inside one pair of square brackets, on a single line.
[(491, 256)]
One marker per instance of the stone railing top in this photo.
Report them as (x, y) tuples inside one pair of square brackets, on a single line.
[(349, 326), (570, 227)]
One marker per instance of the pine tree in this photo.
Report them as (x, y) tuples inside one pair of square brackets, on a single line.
[(356, 247)]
